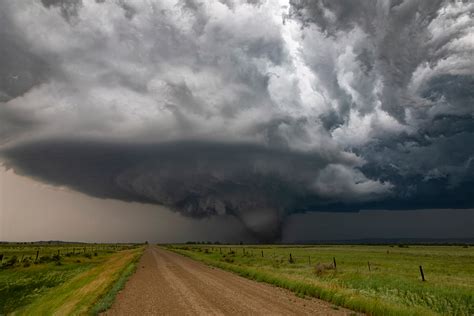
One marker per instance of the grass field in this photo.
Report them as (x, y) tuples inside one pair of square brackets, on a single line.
[(72, 279), (392, 286)]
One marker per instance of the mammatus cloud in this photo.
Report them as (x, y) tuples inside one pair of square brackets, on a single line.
[(257, 109)]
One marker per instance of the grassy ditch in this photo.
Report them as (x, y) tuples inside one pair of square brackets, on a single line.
[(61, 280)]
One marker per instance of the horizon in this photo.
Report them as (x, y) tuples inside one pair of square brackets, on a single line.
[(342, 242)]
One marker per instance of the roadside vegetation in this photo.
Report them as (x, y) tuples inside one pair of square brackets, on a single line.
[(377, 280), (45, 279)]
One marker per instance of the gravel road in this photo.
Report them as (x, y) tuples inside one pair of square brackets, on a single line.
[(167, 283)]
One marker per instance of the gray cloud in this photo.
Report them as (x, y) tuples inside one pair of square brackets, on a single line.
[(400, 74), (68, 8), (258, 185), (249, 108), (20, 70)]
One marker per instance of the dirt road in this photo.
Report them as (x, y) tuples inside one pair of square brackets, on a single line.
[(170, 284)]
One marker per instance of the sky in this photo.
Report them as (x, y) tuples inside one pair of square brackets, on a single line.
[(254, 120)]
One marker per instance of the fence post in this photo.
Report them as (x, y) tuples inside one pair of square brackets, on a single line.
[(334, 261), (291, 259), (422, 274), (37, 254), (1, 257), (262, 253)]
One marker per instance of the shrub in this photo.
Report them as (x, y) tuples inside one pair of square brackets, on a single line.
[(321, 267), (44, 259), (10, 262)]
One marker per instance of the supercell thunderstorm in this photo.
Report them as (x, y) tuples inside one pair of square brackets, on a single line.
[(256, 109)]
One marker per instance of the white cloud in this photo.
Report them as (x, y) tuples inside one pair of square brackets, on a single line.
[(344, 184)]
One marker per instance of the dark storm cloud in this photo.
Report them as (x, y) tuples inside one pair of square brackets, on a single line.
[(419, 54), (258, 185), (397, 39), (250, 108)]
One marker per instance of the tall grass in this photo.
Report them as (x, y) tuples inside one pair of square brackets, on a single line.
[(107, 300)]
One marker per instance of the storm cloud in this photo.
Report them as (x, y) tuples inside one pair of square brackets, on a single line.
[(258, 185), (255, 109)]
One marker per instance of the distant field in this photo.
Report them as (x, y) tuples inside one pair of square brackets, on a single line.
[(392, 286), (42, 279)]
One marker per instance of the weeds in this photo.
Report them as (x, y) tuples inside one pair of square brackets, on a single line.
[(319, 268)]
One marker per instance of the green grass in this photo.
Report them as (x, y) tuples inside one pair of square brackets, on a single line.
[(106, 301), (20, 287), (43, 286), (393, 286)]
